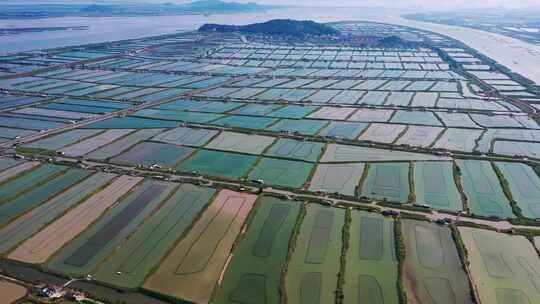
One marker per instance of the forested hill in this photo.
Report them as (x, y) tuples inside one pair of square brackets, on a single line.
[(276, 27)]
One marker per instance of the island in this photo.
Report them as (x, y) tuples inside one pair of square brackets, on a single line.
[(286, 27)]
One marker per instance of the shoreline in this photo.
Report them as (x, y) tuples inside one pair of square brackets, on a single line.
[(520, 57)]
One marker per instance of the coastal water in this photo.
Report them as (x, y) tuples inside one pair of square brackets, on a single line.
[(519, 56), (103, 29)]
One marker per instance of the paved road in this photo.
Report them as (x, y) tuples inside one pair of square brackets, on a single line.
[(432, 215)]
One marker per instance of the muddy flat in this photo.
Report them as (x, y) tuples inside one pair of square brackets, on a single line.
[(193, 267), (11, 292), (432, 271), (255, 271)]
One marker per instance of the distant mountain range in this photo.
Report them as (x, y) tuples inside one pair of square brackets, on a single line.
[(127, 9), (221, 6), (285, 27)]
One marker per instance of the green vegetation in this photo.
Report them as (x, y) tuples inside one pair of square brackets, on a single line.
[(254, 274), (412, 181), (345, 236), (457, 180), (34, 151), (460, 246), (463, 256), (506, 189), (285, 27), (400, 257), (359, 189)]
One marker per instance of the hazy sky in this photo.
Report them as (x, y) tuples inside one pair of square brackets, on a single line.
[(424, 3), (429, 4), (394, 3)]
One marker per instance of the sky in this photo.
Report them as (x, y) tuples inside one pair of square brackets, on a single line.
[(409, 3), (423, 4)]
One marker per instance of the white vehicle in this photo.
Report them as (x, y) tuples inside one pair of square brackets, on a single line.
[(258, 181)]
